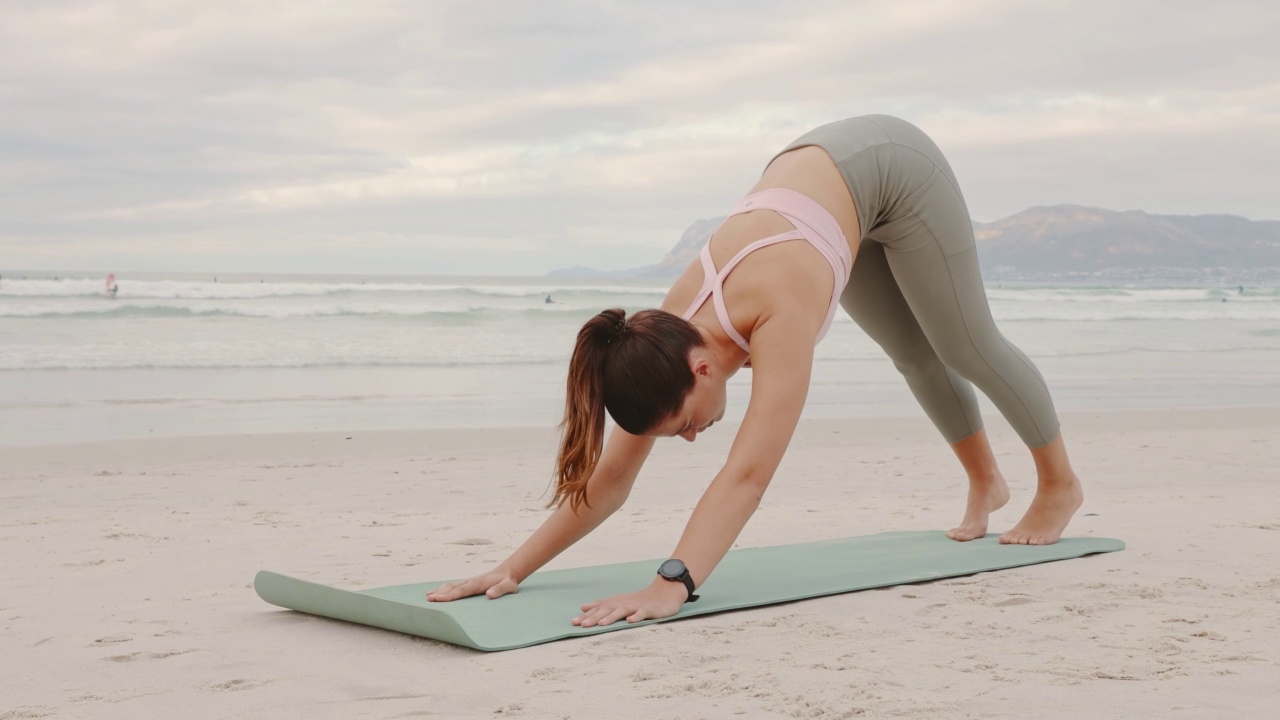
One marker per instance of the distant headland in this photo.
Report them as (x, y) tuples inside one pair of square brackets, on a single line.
[(1064, 242)]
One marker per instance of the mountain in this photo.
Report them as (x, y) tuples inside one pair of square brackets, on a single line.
[(1074, 239), (1066, 240)]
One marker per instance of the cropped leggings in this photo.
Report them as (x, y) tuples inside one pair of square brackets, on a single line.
[(916, 289)]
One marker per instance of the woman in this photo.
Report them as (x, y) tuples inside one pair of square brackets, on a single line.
[(873, 187)]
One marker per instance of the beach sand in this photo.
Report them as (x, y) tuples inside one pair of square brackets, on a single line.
[(128, 568)]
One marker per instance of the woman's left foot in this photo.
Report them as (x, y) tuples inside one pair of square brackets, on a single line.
[(984, 499), (1050, 511)]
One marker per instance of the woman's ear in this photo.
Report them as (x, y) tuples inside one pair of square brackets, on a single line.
[(701, 366)]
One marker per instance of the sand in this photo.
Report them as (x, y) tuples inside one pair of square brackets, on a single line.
[(127, 570)]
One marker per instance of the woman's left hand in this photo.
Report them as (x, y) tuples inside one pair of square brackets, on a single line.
[(659, 600)]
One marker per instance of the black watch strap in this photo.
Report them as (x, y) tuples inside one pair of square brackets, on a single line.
[(687, 579), (683, 576)]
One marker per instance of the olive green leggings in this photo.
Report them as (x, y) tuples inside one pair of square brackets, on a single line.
[(916, 289)]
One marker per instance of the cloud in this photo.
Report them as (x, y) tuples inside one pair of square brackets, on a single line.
[(574, 133)]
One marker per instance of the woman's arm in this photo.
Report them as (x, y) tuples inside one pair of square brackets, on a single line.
[(782, 362), (607, 489)]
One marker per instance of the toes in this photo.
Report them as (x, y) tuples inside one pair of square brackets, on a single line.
[(1022, 538), (967, 531)]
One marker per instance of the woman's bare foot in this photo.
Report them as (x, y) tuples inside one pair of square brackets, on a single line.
[(985, 497), (1058, 497), (987, 489), (1051, 509)]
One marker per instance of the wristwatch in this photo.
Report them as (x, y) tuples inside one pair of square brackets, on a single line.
[(675, 571)]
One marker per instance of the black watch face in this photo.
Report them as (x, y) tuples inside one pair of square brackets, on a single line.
[(671, 569)]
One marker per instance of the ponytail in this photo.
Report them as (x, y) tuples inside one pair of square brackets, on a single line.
[(583, 424), (637, 370)]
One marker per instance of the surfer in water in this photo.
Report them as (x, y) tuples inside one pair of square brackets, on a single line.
[(112, 286)]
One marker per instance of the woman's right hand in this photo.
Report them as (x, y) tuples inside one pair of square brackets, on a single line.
[(493, 584)]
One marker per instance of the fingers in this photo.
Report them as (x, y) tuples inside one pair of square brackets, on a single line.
[(472, 586), (504, 587), (446, 592), (605, 614)]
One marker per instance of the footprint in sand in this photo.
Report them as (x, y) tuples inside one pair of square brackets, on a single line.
[(112, 640), (26, 712), (239, 684), (1014, 601), (130, 657)]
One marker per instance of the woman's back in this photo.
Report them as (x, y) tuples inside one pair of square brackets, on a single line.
[(789, 277)]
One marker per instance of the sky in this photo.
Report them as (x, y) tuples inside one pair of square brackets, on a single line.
[(499, 138)]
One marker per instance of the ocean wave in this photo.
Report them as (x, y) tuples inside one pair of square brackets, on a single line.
[(457, 310), (275, 364), (182, 290), (1180, 315), (1129, 296), (97, 362), (123, 309)]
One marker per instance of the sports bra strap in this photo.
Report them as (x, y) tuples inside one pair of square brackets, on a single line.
[(717, 290), (801, 212)]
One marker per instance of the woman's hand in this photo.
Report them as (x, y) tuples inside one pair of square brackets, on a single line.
[(661, 599), (493, 584)]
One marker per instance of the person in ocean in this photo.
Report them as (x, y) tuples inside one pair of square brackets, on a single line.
[(548, 301), (864, 214)]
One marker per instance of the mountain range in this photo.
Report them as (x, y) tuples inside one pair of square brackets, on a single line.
[(1066, 241)]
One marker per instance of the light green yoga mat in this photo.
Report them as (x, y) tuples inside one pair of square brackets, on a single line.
[(548, 600)]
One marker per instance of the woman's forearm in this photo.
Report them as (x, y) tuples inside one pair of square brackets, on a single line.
[(716, 522), (563, 528), (607, 490)]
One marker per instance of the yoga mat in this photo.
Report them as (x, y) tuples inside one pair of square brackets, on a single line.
[(548, 600)]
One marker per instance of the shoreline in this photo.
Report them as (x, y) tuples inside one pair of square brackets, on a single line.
[(319, 441)]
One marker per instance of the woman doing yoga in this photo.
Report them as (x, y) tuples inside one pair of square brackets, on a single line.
[(762, 293)]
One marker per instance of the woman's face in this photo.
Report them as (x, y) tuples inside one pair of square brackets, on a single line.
[(702, 408)]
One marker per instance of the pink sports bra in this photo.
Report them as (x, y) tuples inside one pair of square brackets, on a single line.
[(812, 223)]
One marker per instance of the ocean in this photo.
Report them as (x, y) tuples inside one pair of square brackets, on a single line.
[(176, 354)]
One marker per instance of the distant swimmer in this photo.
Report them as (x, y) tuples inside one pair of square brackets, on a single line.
[(548, 301), (112, 286), (1241, 289)]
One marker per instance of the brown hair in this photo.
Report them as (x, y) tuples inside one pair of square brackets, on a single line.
[(637, 369)]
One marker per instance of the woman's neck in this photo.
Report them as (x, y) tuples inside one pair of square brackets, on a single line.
[(723, 353)]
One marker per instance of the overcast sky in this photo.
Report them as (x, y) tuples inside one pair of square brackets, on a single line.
[(516, 137)]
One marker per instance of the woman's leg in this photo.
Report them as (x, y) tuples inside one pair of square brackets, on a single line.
[(873, 300), (930, 248)]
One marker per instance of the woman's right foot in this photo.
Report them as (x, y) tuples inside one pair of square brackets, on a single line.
[(1051, 509), (985, 497)]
